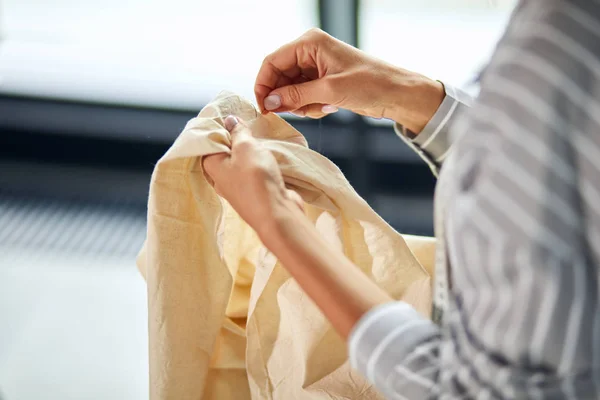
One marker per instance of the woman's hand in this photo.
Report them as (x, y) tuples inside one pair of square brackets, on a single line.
[(249, 179), (315, 74)]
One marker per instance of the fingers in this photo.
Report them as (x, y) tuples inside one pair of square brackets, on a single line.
[(230, 122), (213, 165), (290, 60), (294, 97), (315, 111), (216, 165), (240, 133), (272, 69), (328, 109)]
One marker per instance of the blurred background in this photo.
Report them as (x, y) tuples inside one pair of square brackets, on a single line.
[(92, 94)]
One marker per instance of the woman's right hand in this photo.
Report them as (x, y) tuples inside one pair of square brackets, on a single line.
[(315, 74)]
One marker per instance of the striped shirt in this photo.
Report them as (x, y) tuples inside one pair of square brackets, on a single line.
[(518, 205)]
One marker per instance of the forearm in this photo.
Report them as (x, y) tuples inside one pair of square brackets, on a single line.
[(341, 290)]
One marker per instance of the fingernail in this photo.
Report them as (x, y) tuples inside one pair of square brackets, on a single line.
[(328, 109), (272, 102), (230, 122)]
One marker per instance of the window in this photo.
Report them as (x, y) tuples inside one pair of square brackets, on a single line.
[(173, 54), (449, 40)]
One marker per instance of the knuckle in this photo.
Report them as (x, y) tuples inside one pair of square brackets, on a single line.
[(314, 33), (244, 145), (294, 95), (255, 169), (268, 60), (256, 172)]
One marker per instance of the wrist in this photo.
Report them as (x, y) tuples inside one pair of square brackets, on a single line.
[(414, 100), (284, 215)]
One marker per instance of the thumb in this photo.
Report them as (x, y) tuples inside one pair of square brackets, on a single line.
[(237, 128), (292, 97)]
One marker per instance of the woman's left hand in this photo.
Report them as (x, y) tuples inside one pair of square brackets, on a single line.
[(250, 179)]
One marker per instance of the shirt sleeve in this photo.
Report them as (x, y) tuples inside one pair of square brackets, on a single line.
[(395, 347), (398, 351), (434, 141), (523, 318)]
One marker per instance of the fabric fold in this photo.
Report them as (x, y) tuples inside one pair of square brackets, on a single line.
[(226, 320)]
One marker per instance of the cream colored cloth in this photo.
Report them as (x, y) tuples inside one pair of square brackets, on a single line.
[(226, 320)]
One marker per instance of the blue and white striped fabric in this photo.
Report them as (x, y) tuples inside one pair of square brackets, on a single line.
[(518, 225)]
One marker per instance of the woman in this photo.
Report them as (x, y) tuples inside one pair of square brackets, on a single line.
[(516, 305)]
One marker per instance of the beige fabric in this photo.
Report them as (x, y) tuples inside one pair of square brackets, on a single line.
[(226, 321)]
